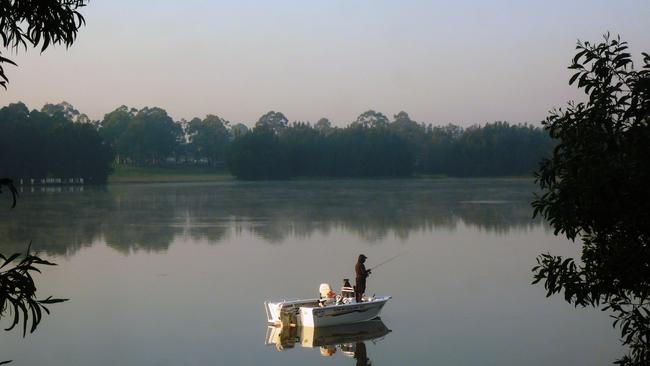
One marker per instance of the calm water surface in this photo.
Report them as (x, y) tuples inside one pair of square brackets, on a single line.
[(176, 274)]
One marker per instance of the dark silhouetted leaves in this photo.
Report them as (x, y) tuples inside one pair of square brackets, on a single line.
[(18, 292), (596, 188), (38, 23)]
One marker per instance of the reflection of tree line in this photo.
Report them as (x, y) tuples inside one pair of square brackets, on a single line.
[(131, 218)]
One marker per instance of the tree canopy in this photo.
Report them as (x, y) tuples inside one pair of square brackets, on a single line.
[(150, 136), (273, 121), (37, 145), (43, 145), (209, 138), (596, 189), (374, 146)]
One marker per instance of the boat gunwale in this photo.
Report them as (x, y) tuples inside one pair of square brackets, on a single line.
[(374, 301)]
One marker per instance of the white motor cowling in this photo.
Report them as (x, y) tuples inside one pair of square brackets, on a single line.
[(325, 290)]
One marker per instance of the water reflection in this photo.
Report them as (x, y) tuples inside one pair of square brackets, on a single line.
[(349, 340), (150, 217)]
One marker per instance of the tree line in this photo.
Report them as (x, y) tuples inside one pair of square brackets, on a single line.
[(62, 142), (371, 146), (48, 143)]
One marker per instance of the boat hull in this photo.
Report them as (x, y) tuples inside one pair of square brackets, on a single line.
[(341, 314)]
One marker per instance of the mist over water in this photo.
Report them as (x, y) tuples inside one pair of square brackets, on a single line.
[(167, 274), (151, 216)]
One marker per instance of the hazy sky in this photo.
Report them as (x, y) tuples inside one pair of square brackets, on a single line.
[(454, 61)]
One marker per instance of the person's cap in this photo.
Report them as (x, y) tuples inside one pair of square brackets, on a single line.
[(362, 256)]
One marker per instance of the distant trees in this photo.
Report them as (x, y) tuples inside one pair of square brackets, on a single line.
[(323, 125), (209, 138), (415, 134), (258, 154), (371, 119), (374, 146), (113, 126), (277, 151), (40, 145), (493, 150), (371, 146), (150, 137), (359, 151), (596, 188), (66, 110), (273, 121), (238, 130)]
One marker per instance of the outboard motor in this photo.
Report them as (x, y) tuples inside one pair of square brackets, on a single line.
[(327, 296), (325, 291)]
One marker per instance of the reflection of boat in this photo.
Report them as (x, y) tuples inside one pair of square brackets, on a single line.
[(316, 313), (349, 333), (344, 336)]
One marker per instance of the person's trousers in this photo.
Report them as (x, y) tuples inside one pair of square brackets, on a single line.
[(360, 288)]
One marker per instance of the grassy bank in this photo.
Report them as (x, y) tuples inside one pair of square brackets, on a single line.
[(130, 174)]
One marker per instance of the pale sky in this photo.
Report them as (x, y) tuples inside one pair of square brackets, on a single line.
[(457, 61)]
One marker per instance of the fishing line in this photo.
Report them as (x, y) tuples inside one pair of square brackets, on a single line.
[(387, 260)]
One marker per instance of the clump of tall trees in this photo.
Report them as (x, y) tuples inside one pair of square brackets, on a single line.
[(48, 143), (376, 146), (280, 151), (147, 136), (150, 137)]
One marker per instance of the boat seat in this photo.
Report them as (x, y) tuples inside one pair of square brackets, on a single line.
[(347, 292)]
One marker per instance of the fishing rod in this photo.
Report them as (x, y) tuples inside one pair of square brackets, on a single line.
[(386, 261)]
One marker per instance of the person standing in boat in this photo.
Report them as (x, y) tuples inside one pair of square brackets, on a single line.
[(362, 274)]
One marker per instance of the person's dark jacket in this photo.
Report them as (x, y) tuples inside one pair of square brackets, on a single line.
[(362, 272)]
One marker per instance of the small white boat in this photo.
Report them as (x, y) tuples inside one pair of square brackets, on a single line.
[(324, 312)]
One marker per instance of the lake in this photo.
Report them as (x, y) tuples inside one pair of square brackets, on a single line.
[(176, 274)]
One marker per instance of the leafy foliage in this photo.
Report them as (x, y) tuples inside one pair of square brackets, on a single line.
[(273, 121), (40, 145), (18, 292), (494, 149), (38, 24), (209, 138), (142, 137), (371, 118), (302, 150), (372, 146), (17, 289), (66, 110), (150, 136), (375, 147), (596, 189), (258, 155)]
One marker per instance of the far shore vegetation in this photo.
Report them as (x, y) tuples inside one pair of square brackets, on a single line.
[(58, 143), (196, 174), (166, 174)]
